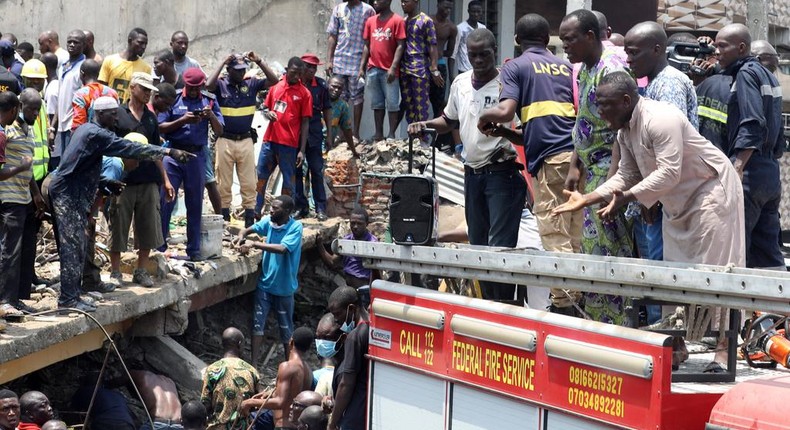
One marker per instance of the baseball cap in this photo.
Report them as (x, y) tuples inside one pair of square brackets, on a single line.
[(194, 77), (6, 48), (239, 63), (105, 103), (311, 59), (143, 79)]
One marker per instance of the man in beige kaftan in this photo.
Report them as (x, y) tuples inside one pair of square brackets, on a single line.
[(664, 158)]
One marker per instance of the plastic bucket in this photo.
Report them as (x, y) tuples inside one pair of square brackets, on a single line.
[(211, 228)]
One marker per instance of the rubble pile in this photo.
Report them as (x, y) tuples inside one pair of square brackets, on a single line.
[(367, 180)]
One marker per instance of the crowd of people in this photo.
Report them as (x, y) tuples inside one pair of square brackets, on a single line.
[(628, 156)]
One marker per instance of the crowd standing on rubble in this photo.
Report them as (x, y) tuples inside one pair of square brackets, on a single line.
[(627, 156)]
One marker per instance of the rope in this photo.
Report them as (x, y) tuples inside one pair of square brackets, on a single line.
[(106, 359)]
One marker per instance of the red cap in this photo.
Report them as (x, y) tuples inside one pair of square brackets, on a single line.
[(194, 77), (311, 59)]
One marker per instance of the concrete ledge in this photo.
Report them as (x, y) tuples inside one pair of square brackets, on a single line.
[(56, 339)]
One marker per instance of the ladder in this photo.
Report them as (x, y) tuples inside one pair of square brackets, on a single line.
[(725, 286)]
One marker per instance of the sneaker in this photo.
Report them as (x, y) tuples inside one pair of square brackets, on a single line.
[(78, 305), (116, 276), (321, 216), (142, 277), (24, 307)]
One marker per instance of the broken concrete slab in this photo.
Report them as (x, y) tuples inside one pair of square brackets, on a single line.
[(170, 358)]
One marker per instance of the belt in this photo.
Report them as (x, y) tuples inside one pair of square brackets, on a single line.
[(504, 166), (189, 148), (232, 136)]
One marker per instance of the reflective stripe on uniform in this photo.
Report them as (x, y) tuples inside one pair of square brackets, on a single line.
[(546, 108), (713, 114), (239, 111)]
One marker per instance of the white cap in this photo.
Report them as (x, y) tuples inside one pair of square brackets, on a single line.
[(104, 103)]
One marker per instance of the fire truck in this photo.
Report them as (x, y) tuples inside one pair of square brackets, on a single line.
[(445, 361)]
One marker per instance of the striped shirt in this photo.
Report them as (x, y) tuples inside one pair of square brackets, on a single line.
[(347, 24), (20, 143)]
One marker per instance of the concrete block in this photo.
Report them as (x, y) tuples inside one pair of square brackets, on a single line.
[(156, 267), (171, 359), (171, 320)]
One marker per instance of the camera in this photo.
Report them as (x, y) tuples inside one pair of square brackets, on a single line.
[(681, 56)]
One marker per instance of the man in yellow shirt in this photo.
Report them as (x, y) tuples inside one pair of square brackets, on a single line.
[(117, 69)]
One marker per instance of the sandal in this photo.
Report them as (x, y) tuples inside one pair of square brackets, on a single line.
[(714, 367), (8, 310)]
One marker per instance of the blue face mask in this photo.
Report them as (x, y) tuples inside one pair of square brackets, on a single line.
[(348, 327), (325, 348)]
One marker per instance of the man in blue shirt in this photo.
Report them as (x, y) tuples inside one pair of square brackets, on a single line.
[(74, 185), (185, 126), (314, 153), (282, 251), (236, 98)]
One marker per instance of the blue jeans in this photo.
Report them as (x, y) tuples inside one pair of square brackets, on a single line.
[(271, 155), (383, 94), (494, 202), (315, 165), (209, 154), (650, 242), (192, 175), (283, 307)]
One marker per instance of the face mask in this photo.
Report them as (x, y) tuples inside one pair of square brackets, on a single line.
[(347, 327), (325, 348)]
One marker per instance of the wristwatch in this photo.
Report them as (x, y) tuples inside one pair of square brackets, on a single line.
[(436, 73)]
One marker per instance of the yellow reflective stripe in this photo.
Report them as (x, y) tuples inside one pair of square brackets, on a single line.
[(240, 111), (546, 108), (713, 114)]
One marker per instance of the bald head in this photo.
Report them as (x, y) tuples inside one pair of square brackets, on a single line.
[(48, 41), (648, 31), (733, 43), (309, 398), (766, 54), (50, 61), (314, 418), (30, 96), (54, 425), (232, 338), (327, 329), (617, 39), (603, 25)]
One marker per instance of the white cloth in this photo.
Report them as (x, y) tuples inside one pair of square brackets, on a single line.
[(51, 97), (465, 106), (538, 298)]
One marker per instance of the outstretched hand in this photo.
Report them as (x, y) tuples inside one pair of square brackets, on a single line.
[(575, 202), (618, 200), (181, 156)]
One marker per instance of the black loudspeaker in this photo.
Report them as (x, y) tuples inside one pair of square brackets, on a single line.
[(414, 210)]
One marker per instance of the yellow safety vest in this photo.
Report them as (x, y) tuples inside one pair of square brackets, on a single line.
[(41, 152)]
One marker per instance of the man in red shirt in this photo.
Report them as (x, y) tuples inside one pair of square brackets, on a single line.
[(385, 37), (289, 108)]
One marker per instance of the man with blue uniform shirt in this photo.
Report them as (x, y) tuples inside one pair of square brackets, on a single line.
[(185, 126), (282, 251), (314, 153), (236, 98), (538, 85)]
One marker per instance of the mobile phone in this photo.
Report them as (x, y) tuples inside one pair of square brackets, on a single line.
[(429, 136)]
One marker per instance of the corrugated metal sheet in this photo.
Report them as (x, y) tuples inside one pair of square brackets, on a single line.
[(449, 176)]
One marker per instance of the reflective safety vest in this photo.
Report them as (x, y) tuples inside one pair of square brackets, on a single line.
[(41, 152)]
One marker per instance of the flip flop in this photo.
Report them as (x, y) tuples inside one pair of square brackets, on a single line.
[(8, 310), (714, 367)]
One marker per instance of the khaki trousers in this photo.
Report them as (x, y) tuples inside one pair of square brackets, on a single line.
[(241, 154), (561, 233)]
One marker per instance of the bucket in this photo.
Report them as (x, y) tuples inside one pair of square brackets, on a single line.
[(211, 229)]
